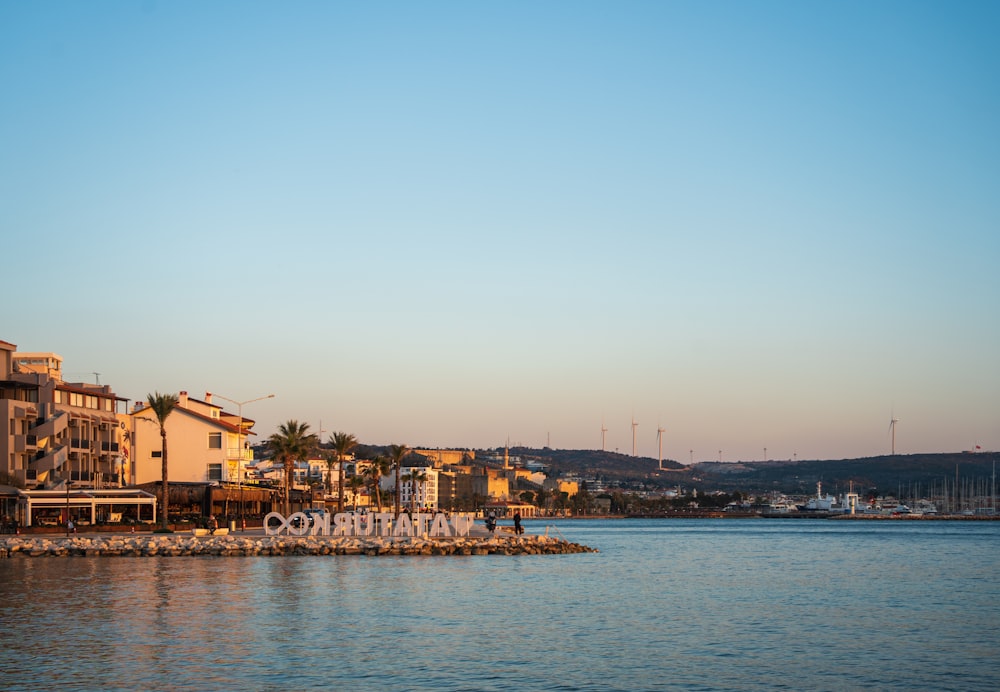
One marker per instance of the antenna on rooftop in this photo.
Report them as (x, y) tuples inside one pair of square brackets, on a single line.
[(97, 375)]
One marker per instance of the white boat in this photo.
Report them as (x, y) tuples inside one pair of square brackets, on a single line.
[(821, 503)]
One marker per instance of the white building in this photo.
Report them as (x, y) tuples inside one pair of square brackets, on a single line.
[(426, 490), (204, 443)]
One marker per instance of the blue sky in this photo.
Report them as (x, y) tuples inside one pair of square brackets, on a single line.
[(753, 224)]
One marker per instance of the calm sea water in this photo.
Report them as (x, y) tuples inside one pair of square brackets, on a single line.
[(666, 604)]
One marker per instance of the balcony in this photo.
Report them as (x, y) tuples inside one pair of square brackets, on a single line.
[(49, 462), (22, 412), (25, 443), (234, 453), (53, 426)]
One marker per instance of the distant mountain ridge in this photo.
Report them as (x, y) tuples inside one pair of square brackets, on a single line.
[(800, 476)]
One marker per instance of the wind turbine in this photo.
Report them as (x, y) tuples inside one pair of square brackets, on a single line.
[(659, 443), (634, 426), (603, 432), (892, 432)]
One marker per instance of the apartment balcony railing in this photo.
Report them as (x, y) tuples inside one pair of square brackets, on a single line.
[(51, 427), (49, 462), (234, 453)]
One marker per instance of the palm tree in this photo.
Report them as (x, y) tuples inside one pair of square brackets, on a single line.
[(342, 443), (292, 442), (375, 470), (415, 477), (331, 459), (356, 483), (540, 498), (396, 455), (163, 405)]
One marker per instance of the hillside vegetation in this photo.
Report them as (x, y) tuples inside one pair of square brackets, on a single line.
[(885, 472)]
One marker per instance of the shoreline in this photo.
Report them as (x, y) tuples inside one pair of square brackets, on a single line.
[(187, 545), (718, 514)]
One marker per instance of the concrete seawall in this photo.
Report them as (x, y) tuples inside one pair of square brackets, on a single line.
[(185, 545)]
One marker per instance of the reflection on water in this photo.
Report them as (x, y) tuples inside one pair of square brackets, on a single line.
[(682, 604)]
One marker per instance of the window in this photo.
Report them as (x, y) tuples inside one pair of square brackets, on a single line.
[(157, 453), (215, 440), (215, 472)]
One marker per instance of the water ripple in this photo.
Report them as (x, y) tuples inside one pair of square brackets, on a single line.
[(665, 605)]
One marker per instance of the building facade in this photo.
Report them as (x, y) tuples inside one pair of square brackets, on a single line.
[(57, 432), (205, 444), (422, 493)]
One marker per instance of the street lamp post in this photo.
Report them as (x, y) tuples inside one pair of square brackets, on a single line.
[(68, 481), (239, 443)]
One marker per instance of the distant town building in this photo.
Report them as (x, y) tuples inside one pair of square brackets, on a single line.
[(439, 458), (560, 485), (426, 490), (507, 509)]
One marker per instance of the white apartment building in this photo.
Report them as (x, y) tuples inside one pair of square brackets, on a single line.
[(426, 490)]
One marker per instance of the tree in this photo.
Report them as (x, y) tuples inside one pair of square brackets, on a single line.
[(581, 501), (540, 497), (163, 405), (342, 443), (356, 483), (374, 471), (331, 459), (292, 442), (396, 455)]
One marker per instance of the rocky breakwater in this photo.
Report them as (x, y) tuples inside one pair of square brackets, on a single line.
[(178, 545)]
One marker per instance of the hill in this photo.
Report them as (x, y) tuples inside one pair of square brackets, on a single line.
[(593, 462), (890, 473), (910, 471)]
